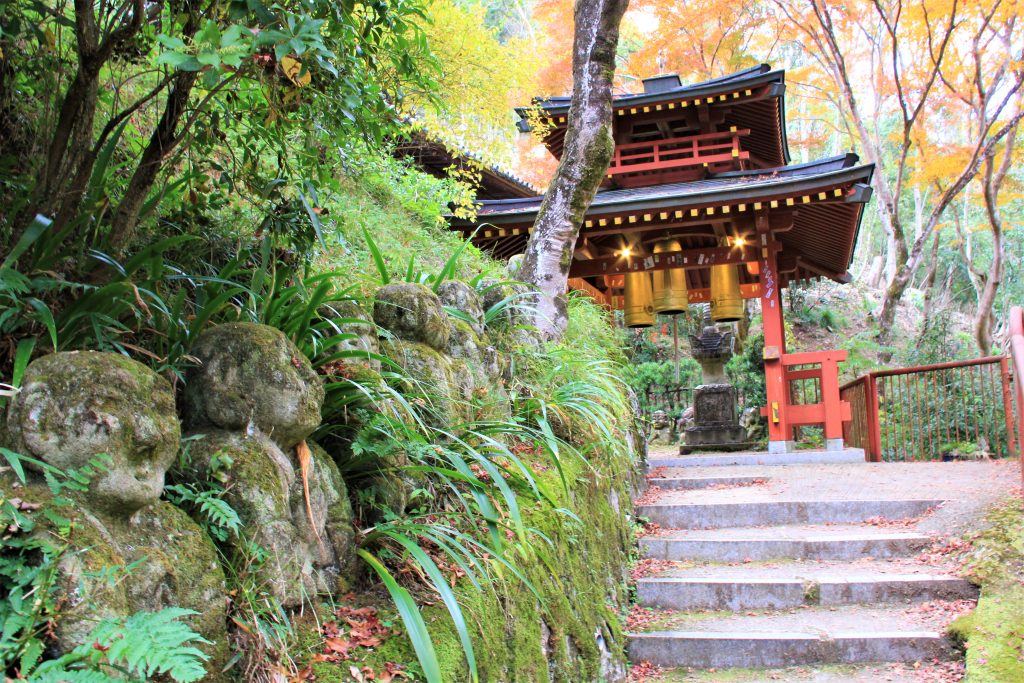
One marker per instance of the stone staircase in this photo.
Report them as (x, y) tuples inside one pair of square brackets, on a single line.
[(754, 574)]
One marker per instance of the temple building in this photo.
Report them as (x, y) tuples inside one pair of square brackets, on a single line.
[(701, 204)]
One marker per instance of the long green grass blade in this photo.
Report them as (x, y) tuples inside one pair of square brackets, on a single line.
[(411, 617), (440, 584)]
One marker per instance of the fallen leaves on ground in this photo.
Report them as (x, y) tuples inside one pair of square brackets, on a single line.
[(644, 672), (949, 550), (648, 567), (938, 614), (651, 529), (641, 618), (650, 496), (355, 628), (657, 472)]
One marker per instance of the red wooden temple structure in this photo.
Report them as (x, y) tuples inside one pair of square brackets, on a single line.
[(701, 202)]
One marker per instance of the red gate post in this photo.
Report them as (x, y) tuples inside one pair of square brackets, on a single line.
[(874, 445), (1011, 437), (776, 387)]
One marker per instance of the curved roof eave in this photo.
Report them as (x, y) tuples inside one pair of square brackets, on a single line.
[(663, 197)]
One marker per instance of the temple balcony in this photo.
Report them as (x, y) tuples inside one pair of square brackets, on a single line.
[(677, 159)]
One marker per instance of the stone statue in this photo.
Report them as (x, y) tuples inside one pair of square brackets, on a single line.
[(755, 424), (662, 431), (255, 399), (79, 405)]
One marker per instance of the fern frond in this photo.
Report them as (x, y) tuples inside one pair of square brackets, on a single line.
[(144, 645)]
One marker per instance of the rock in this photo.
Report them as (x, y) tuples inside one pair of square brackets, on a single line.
[(348, 317), (429, 373), (412, 312), (514, 265), (464, 344), (493, 292), (264, 486), (177, 567), (241, 365), (74, 406), (462, 297)]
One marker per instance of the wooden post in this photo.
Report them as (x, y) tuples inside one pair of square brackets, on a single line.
[(830, 398), (776, 391), (675, 345), (1011, 437), (874, 445)]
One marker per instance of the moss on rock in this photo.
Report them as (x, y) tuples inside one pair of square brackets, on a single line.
[(462, 297), (304, 557), (412, 312), (165, 558), (74, 406), (252, 374)]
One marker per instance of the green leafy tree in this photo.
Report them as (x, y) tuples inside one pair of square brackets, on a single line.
[(121, 92)]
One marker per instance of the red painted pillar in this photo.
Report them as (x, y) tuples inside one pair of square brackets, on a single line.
[(831, 400), (776, 389)]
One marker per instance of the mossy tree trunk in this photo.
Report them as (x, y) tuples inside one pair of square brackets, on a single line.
[(588, 151)]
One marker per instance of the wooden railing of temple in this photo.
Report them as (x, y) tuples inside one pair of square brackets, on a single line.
[(679, 153), (1017, 356), (933, 412)]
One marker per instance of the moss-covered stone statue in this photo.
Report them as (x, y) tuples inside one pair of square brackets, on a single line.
[(255, 398), (128, 550)]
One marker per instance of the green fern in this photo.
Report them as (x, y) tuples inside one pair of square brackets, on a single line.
[(144, 645), (218, 517)]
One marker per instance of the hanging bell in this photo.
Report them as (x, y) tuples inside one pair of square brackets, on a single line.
[(726, 300), (670, 295), (638, 309)]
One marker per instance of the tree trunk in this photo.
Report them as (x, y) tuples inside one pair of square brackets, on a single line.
[(587, 152), (929, 283), (163, 141)]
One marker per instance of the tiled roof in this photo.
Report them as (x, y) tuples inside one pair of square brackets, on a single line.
[(725, 186)]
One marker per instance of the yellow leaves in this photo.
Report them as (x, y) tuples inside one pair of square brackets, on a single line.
[(293, 70)]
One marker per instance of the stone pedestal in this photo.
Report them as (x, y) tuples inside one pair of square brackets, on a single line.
[(716, 425)]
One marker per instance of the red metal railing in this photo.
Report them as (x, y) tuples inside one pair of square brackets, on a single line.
[(929, 411), (1017, 355), (690, 151)]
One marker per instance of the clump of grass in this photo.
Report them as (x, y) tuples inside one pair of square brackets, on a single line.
[(994, 631)]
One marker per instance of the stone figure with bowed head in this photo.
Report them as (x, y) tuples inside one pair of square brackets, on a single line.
[(255, 399), (74, 407)]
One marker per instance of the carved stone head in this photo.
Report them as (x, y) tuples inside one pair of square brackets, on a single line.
[(77, 405), (252, 375)]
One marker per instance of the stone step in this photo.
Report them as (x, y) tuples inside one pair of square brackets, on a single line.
[(761, 513), (809, 636), (893, 672), (798, 584), (824, 456), (692, 483), (812, 542)]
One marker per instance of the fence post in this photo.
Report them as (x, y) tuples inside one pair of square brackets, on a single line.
[(874, 430), (1011, 437)]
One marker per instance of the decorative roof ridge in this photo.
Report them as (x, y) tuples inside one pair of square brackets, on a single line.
[(759, 73)]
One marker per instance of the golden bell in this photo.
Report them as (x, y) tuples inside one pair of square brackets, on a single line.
[(638, 310), (726, 300), (670, 296)]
